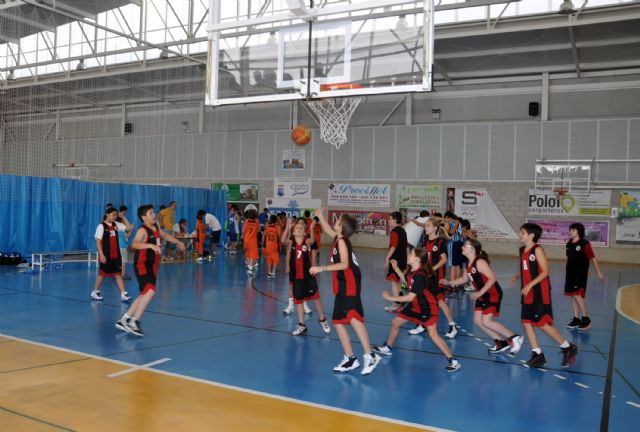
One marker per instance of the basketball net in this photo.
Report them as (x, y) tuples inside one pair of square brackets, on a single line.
[(334, 115)]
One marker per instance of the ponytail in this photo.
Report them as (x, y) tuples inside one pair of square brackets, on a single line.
[(424, 261)]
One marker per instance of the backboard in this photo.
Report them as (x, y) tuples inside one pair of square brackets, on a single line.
[(269, 50), (563, 178)]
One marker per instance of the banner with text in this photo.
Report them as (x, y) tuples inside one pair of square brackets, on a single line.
[(359, 195), (423, 197), (478, 207), (557, 231), (292, 206), (628, 224), (597, 203), (368, 222), (238, 193), (292, 187)]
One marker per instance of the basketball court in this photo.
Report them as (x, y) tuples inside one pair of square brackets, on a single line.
[(502, 112)]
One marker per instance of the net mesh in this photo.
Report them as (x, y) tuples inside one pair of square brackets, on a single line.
[(334, 115)]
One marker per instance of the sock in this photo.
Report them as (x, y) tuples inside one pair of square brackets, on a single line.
[(452, 323), (565, 344), (537, 351), (290, 300), (352, 356), (125, 317)]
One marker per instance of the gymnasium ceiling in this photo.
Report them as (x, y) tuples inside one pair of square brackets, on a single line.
[(597, 48)]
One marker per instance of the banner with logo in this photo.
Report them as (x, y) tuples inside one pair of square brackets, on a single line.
[(238, 193), (557, 231), (597, 203), (292, 187), (478, 207), (628, 224), (368, 222), (359, 195), (423, 197), (292, 206), (293, 159)]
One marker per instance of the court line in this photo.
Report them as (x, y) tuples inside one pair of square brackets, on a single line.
[(608, 385), (231, 387), (581, 385), (145, 366), (633, 404), (41, 366), (631, 386), (35, 419), (559, 377)]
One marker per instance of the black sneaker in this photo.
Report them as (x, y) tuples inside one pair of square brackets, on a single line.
[(585, 324), (347, 364), (536, 360), (569, 355), (575, 322), (499, 346)]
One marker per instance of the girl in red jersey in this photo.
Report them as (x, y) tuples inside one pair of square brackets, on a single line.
[(303, 283), (148, 246), (436, 248), (347, 306), (536, 298), (421, 305), (488, 297), (579, 255), (398, 252)]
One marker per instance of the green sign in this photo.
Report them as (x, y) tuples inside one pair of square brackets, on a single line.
[(238, 193)]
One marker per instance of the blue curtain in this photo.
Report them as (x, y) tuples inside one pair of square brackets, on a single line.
[(53, 214)]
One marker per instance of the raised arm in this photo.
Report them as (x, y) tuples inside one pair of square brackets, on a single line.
[(325, 225)]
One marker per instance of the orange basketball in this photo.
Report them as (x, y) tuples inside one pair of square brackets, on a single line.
[(301, 135)]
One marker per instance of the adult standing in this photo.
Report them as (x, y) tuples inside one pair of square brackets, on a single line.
[(214, 227), (166, 219)]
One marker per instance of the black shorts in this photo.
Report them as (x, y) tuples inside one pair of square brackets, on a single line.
[(215, 236), (457, 259), (304, 290), (314, 246), (575, 284), (424, 318), (112, 267), (346, 308), (536, 314), (487, 306), (146, 282)]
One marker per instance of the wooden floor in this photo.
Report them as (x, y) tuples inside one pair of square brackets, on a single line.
[(629, 302)]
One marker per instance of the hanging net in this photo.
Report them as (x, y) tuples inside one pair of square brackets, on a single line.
[(334, 115)]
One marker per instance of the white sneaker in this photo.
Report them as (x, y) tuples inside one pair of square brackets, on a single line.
[(347, 364), (370, 363), (453, 366), (299, 330), (391, 308), (383, 349), (307, 310), (453, 331), (289, 309), (417, 330), (516, 344), (95, 295), (325, 326), (199, 259), (121, 324), (125, 296)]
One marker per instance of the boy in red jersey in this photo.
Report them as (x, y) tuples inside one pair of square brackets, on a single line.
[(148, 246), (536, 298)]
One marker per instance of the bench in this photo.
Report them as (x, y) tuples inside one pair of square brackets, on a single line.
[(38, 258)]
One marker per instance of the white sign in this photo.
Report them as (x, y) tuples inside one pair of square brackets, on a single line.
[(597, 203), (292, 187), (359, 195), (478, 207), (292, 160)]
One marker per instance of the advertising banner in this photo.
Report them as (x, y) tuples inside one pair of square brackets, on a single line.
[(557, 231), (423, 197), (597, 203), (628, 224), (292, 187), (359, 195), (238, 193), (478, 207), (368, 222), (292, 206)]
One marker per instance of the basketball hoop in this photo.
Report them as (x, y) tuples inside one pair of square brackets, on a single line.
[(334, 114)]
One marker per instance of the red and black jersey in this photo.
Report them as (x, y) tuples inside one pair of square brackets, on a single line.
[(529, 270), (579, 255), (425, 289), (398, 239), (494, 294), (299, 261), (110, 246), (146, 260), (435, 248), (345, 282)]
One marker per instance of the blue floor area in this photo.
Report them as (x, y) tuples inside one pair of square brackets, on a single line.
[(216, 324)]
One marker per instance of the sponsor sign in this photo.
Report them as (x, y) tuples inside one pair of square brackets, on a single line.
[(292, 206), (628, 224), (359, 195), (423, 197), (368, 222), (238, 193), (478, 207), (557, 231), (292, 187), (597, 203)]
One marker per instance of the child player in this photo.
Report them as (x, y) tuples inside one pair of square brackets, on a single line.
[(250, 236), (536, 298), (398, 252), (271, 246), (148, 246)]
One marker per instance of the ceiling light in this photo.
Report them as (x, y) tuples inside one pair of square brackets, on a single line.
[(566, 8), (11, 76), (81, 65)]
